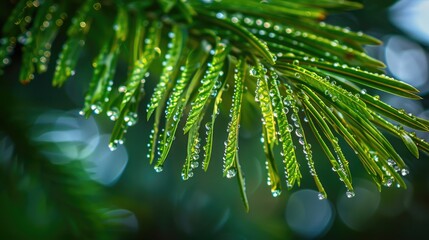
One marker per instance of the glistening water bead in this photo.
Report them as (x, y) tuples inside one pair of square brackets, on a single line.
[(231, 173), (350, 194), (113, 146), (276, 192), (158, 168)]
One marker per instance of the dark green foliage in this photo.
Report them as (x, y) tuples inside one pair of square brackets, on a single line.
[(59, 189), (307, 77)]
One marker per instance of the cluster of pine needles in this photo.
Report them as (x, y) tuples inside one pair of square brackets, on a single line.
[(303, 78)]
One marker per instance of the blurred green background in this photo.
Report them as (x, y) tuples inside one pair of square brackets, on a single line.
[(63, 182)]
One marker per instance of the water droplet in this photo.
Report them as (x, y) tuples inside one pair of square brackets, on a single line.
[(321, 196), (295, 62), (293, 117), (96, 108), (220, 15), (405, 172), (286, 110), (208, 126), (363, 91), (296, 124), (286, 102), (131, 118), (122, 89), (350, 194), (158, 168), (231, 173), (305, 119), (195, 164), (276, 192), (297, 75), (113, 146), (389, 182), (113, 114), (253, 72), (298, 132)]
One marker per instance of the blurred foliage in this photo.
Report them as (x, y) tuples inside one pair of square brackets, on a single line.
[(40, 199)]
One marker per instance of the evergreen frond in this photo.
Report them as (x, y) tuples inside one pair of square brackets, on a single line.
[(305, 77), (231, 144), (207, 88), (281, 107)]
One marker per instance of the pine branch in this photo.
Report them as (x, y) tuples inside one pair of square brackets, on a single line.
[(301, 69)]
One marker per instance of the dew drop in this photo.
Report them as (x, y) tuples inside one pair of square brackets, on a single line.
[(195, 164), (253, 72), (321, 196), (113, 146), (122, 89), (298, 132), (231, 173), (220, 15), (96, 108), (286, 102), (158, 168), (276, 192), (389, 182), (296, 124), (350, 194), (297, 75), (305, 119), (286, 110)]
